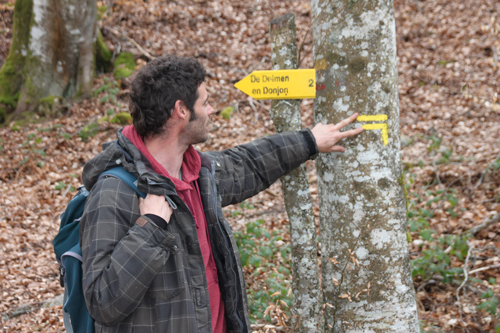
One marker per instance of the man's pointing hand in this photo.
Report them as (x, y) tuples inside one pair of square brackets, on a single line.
[(327, 136)]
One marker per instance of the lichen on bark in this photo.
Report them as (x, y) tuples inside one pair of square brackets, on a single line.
[(365, 260)]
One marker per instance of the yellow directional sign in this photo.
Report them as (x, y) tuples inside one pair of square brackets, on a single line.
[(280, 84)]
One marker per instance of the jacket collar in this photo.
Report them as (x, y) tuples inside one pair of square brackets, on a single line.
[(205, 161), (123, 152)]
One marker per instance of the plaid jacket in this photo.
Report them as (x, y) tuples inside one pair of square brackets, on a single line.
[(141, 278)]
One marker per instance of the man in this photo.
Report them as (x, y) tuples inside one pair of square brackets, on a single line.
[(169, 263)]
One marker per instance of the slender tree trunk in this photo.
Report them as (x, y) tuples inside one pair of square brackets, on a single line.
[(52, 52), (306, 308), (366, 276)]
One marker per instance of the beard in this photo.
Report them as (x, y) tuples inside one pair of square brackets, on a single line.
[(196, 130)]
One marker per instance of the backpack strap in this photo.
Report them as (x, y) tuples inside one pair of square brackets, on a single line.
[(76, 253), (66, 317), (129, 178)]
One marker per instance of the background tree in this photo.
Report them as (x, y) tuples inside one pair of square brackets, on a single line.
[(366, 277), (285, 113), (52, 53)]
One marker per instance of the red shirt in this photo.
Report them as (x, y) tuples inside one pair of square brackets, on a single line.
[(188, 191)]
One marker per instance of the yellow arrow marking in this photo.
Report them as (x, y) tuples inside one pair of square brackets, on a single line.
[(280, 84), (383, 127), (377, 117)]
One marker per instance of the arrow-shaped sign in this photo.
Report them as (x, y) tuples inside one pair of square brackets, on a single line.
[(280, 84)]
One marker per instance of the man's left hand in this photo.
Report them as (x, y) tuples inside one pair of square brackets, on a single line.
[(327, 136)]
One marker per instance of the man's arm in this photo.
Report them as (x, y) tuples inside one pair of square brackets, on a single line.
[(245, 170), (122, 251)]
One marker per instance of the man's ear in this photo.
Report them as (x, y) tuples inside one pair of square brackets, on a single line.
[(180, 110)]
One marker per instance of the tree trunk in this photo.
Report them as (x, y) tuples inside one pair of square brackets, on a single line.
[(52, 52), (366, 275), (306, 308)]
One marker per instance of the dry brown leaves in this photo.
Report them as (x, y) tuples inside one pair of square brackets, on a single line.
[(449, 84), (449, 75)]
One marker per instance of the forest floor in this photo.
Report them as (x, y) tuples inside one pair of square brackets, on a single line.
[(450, 123)]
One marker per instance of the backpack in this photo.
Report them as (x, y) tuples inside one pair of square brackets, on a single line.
[(69, 256)]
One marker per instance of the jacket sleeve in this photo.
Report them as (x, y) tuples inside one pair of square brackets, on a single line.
[(245, 170), (120, 257)]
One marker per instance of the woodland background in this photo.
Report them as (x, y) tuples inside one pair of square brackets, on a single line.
[(449, 78)]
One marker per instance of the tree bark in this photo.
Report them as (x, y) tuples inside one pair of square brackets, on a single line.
[(306, 308), (366, 275), (52, 51)]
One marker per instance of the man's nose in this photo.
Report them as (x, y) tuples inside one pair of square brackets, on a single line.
[(210, 110)]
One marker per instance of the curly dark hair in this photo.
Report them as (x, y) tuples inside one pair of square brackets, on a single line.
[(156, 88)]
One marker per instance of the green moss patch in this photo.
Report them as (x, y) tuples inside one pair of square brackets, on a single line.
[(10, 100), (48, 105), (226, 112), (121, 73), (104, 119), (102, 54), (122, 118), (90, 130), (124, 65), (101, 11)]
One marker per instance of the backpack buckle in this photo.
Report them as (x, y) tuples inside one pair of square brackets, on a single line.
[(62, 272)]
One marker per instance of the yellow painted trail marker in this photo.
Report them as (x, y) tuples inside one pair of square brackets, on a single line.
[(383, 126), (377, 117), (280, 84)]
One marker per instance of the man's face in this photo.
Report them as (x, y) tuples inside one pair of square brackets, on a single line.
[(197, 129)]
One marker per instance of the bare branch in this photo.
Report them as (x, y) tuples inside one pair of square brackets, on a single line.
[(463, 283), (413, 163), (484, 268), (258, 66), (133, 42), (483, 174), (267, 327), (436, 172), (300, 58), (475, 230)]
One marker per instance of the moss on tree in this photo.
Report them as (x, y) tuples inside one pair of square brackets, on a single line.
[(122, 118), (124, 65), (102, 54), (12, 71), (48, 105), (26, 78)]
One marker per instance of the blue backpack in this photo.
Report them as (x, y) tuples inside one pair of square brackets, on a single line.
[(69, 255)]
